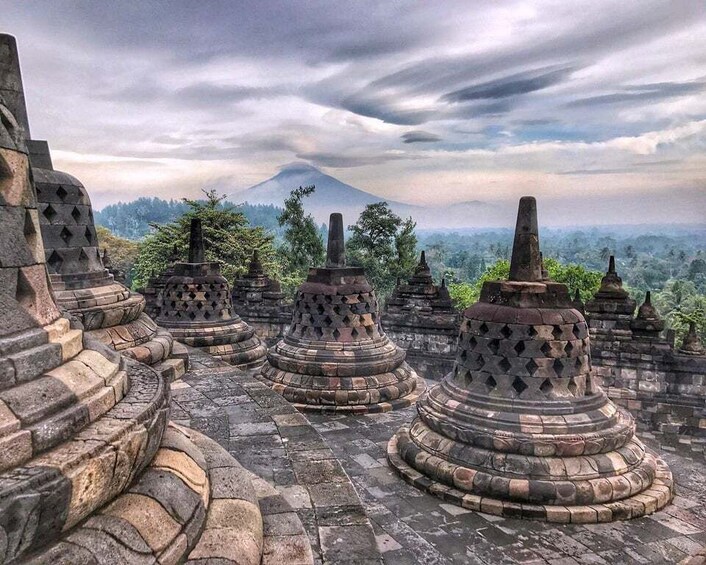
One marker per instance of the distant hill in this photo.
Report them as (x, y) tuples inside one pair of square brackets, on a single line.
[(132, 220), (332, 195)]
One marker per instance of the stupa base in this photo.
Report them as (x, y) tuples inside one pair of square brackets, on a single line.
[(430, 469), (193, 502), (323, 407)]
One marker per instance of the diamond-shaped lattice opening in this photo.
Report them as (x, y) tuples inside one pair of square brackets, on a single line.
[(472, 342), (546, 348), (179, 294), (490, 382), (573, 389), (61, 193), (370, 330), (354, 333), (199, 287), (207, 295), (546, 387), (76, 214), (531, 366), (319, 332), (192, 295), (519, 347), (532, 331), (504, 365), (30, 231), (49, 213), (207, 315), (576, 331), (199, 305), (578, 362), (483, 329), (65, 234), (558, 367), (463, 355), (24, 293), (336, 334), (214, 304), (556, 332), (328, 321), (481, 361), (519, 385), (192, 315), (320, 309), (506, 331), (569, 348), (344, 300), (83, 259)]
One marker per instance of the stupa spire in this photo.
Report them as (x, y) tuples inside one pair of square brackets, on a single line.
[(335, 251), (196, 249), (11, 90), (526, 264)]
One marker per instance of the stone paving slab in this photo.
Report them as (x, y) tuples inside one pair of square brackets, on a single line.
[(414, 527), (272, 440)]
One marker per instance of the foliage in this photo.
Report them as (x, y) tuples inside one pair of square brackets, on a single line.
[(122, 252), (384, 245), (464, 294), (228, 239), (680, 302), (133, 220), (302, 246)]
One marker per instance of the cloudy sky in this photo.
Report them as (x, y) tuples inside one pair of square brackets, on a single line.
[(596, 107)]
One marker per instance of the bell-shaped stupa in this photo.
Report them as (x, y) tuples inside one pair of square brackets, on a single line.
[(82, 284), (335, 356), (610, 311), (195, 306), (90, 469), (260, 302), (521, 428), (420, 317)]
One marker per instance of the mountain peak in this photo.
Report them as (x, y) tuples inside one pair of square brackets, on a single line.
[(298, 168)]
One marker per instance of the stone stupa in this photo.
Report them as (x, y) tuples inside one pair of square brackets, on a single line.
[(91, 471), (259, 300), (420, 317), (195, 306), (521, 428), (335, 356), (82, 284), (156, 285), (610, 312)]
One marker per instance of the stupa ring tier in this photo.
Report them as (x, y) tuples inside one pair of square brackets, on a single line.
[(335, 356), (196, 307), (520, 427), (82, 285)]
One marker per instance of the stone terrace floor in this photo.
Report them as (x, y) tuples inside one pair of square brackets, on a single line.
[(404, 525)]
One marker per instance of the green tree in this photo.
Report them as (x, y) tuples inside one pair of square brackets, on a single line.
[(228, 238), (302, 246), (122, 252), (573, 276), (384, 244), (679, 303)]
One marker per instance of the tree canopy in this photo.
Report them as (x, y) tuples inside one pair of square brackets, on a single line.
[(384, 244), (228, 238), (302, 246)]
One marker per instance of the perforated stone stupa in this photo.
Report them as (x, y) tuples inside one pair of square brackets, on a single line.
[(259, 300), (90, 469), (335, 356), (521, 428), (420, 318), (196, 307), (82, 284), (156, 285)]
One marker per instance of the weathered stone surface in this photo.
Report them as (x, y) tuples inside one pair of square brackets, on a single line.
[(196, 307), (336, 355), (420, 318), (522, 421)]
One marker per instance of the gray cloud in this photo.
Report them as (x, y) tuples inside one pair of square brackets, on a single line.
[(509, 86), (641, 93), (419, 136)]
